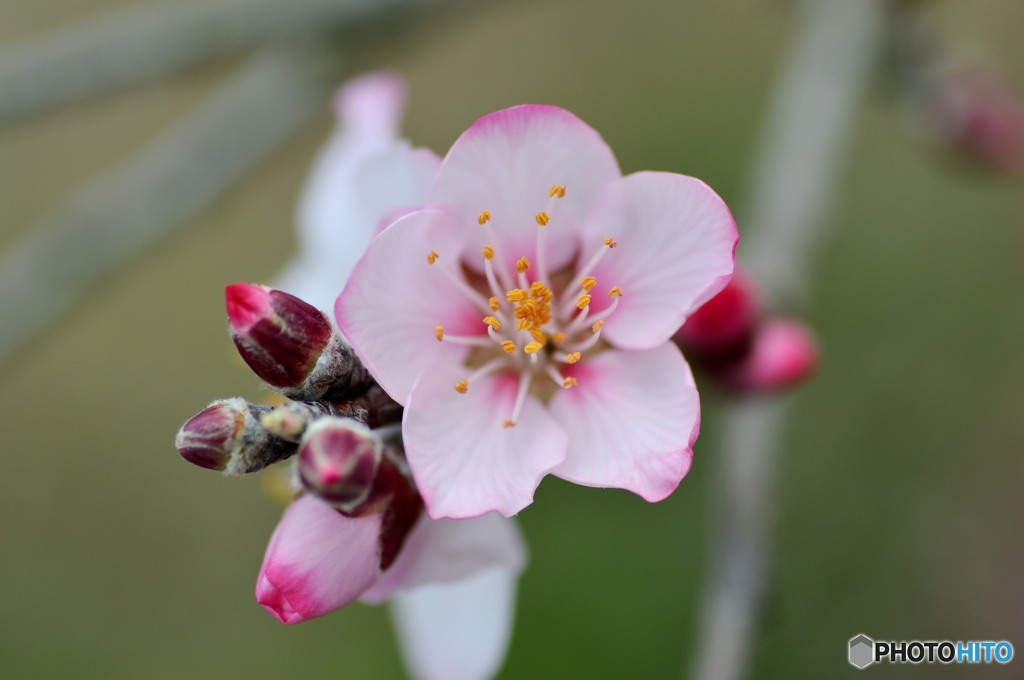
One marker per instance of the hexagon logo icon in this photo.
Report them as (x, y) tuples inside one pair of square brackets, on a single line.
[(862, 651)]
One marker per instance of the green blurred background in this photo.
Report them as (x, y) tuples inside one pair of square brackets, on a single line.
[(899, 489)]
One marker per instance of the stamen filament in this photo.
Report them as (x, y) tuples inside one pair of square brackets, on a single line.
[(497, 338), (485, 370), (555, 375), (586, 344), (604, 313), (584, 274), (469, 340), (542, 261), (524, 387), (579, 321), (475, 297), (503, 275)]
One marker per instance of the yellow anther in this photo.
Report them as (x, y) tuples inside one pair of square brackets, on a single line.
[(610, 243), (542, 218), (540, 292), (432, 257), (516, 295), (569, 382), (558, 337), (522, 324), (493, 323), (494, 304), (539, 336), (588, 282), (583, 301), (557, 190), (488, 252), (614, 292), (522, 265), (533, 347), (522, 311), (462, 386), (597, 325), (439, 333), (483, 217), (572, 358), (508, 423), (508, 346)]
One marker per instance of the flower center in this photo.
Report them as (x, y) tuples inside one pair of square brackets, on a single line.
[(528, 329)]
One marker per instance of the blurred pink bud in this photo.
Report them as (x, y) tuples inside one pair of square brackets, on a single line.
[(278, 335), (211, 436), (338, 461), (721, 329), (783, 354), (977, 110)]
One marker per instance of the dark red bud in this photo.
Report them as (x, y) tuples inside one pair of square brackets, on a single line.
[(278, 335), (722, 329), (338, 461), (212, 436)]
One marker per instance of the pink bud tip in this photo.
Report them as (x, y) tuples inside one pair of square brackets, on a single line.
[(246, 305), (338, 461), (722, 328), (278, 335), (784, 353)]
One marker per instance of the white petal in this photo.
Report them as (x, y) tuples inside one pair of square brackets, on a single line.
[(457, 631), (446, 551)]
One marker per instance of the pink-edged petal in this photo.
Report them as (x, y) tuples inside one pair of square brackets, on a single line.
[(394, 301), (676, 249), (317, 561), (447, 550), (507, 162), (464, 461), (632, 421), (784, 353), (457, 631)]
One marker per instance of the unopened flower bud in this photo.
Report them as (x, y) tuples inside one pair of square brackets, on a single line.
[(976, 110), (338, 461), (721, 330), (278, 335), (291, 344), (784, 353), (227, 436)]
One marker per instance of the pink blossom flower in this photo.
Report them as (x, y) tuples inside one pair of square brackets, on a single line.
[(523, 316), (453, 584)]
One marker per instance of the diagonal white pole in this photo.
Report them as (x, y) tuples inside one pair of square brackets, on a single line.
[(803, 152), (133, 45), (174, 177)]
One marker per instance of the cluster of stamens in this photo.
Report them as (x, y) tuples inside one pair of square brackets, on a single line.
[(534, 329)]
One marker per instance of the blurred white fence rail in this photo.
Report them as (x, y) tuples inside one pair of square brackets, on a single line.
[(802, 155), (136, 44), (174, 177)]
